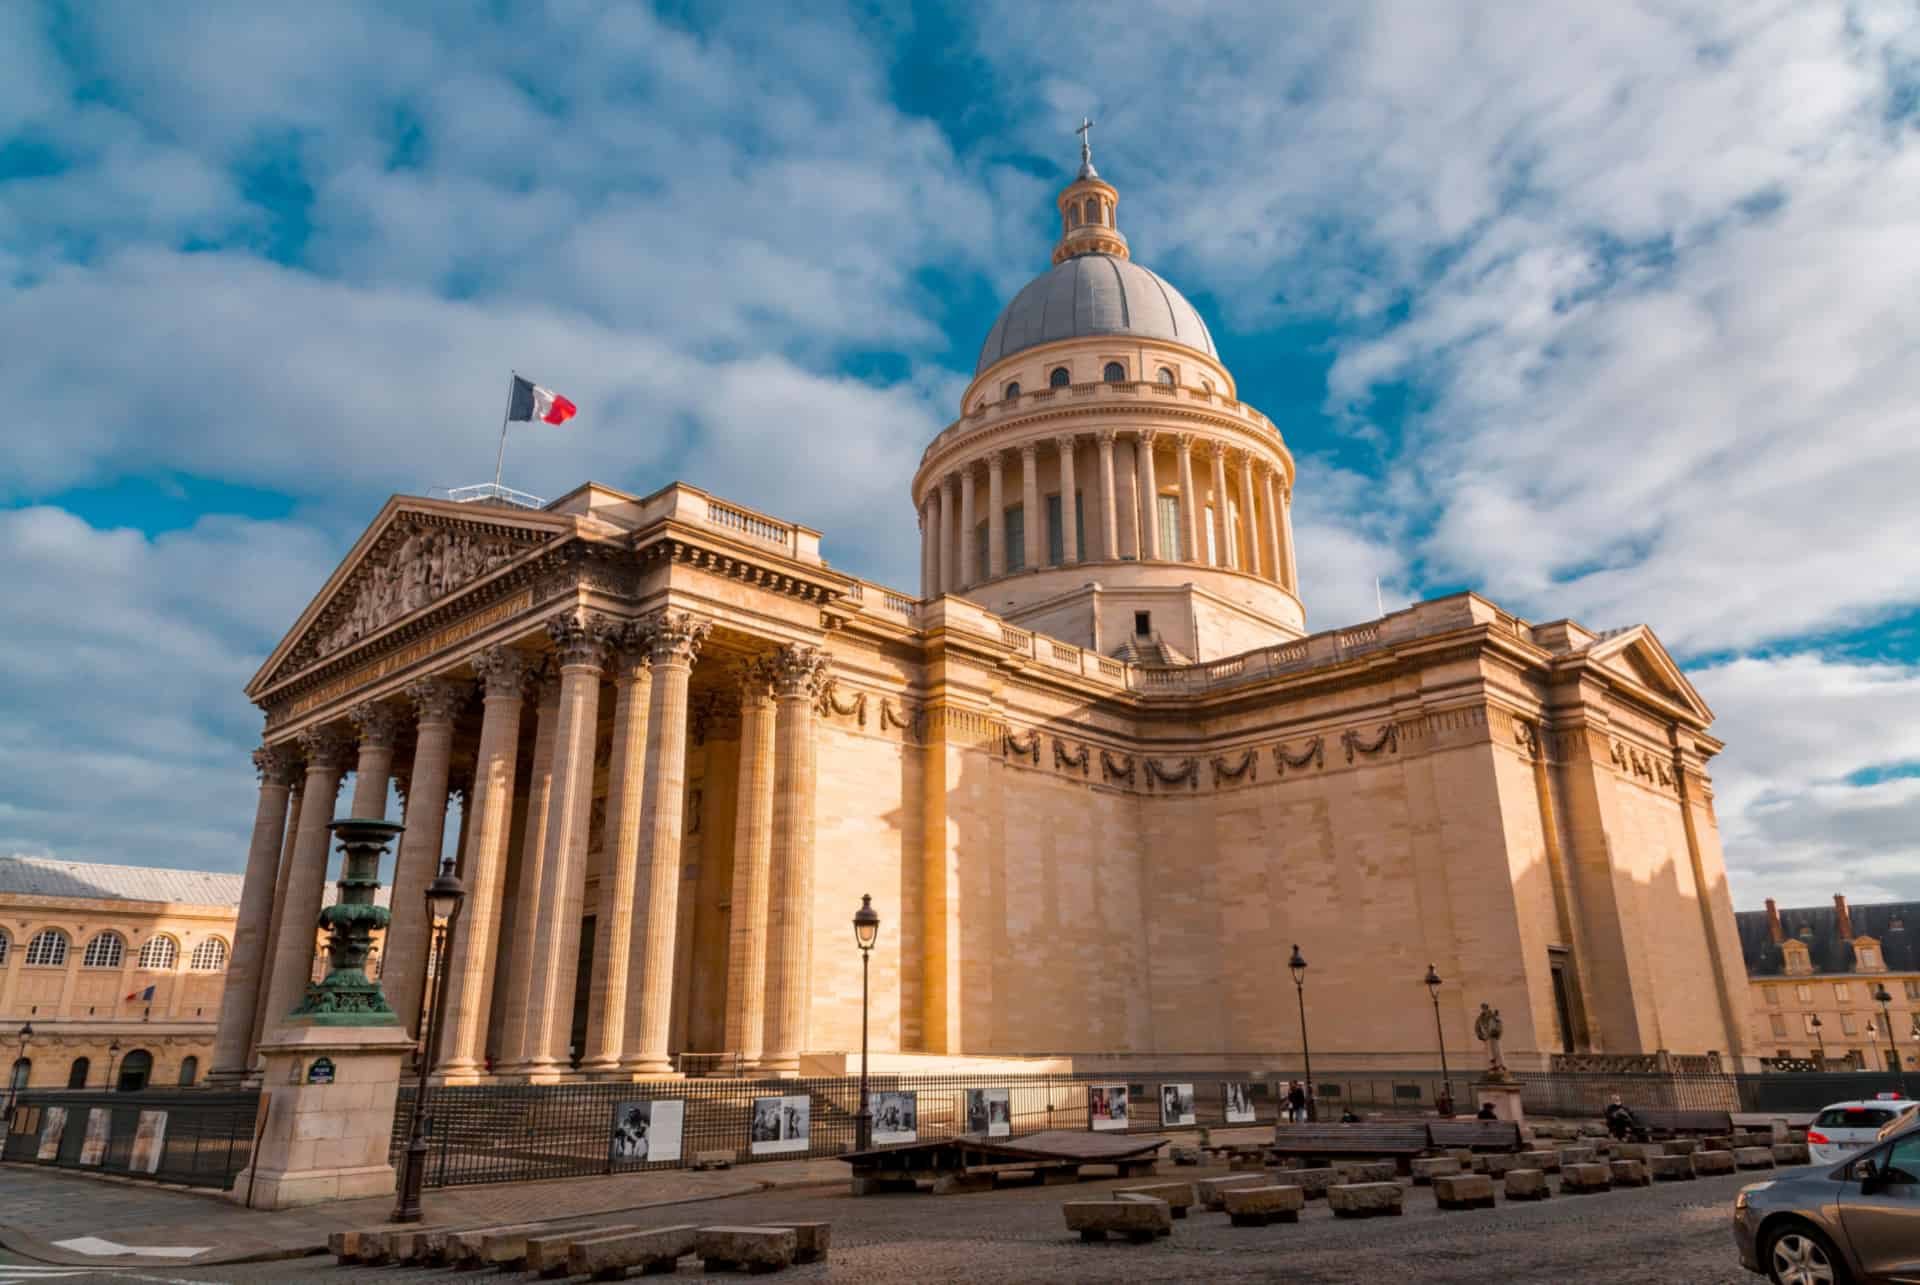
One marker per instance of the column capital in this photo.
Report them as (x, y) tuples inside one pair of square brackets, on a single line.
[(437, 700), (950, 483), (378, 723), (1147, 436), (581, 639), (327, 750), (799, 671), (277, 765), (503, 672), (755, 677), (996, 461), (1029, 452), (1183, 442), (1106, 437), (675, 637), (1066, 441), (1217, 450), (632, 654)]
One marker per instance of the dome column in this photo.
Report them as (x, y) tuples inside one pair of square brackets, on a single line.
[(929, 542), (1069, 503), (948, 554), (1271, 527), (1032, 533), (967, 520), (996, 517), (1249, 514), (1292, 581), (1189, 500), (1109, 519), (1149, 496), (1222, 531)]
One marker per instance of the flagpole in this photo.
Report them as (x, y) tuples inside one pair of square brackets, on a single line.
[(501, 457)]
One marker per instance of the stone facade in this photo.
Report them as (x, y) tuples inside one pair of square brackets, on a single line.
[(1826, 965), (1097, 791)]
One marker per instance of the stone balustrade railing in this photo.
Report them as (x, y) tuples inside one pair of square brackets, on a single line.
[(993, 412)]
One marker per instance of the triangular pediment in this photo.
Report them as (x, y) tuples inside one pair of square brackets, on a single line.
[(414, 556), (1637, 655)]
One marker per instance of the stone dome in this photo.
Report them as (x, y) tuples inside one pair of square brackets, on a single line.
[(1094, 294)]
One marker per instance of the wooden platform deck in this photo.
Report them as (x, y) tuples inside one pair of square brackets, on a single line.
[(976, 1162)]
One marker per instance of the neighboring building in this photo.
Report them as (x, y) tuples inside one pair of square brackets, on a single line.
[(81, 947), (1826, 963), (1097, 777)]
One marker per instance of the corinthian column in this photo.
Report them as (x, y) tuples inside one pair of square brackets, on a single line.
[(613, 924), (233, 1038), (379, 727), (950, 581), (278, 921), (930, 544), (1222, 532), (1190, 546), (677, 637), (1109, 515), (752, 851), (1270, 528), (488, 821), (306, 877), (996, 517), (403, 971), (1249, 514), (1149, 496), (1069, 502), (1032, 521), (969, 566), (580, 642), (797, 674), (525, 910)]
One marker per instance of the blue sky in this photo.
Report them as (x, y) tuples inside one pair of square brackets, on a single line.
[(1604, 310)]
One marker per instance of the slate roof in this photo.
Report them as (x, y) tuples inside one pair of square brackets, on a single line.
[(1895, 924), (1094, 294), (45, 877)]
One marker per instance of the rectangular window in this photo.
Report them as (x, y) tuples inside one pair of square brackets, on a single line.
[(1779, 1026), (1803, 993), (1143, 623), (1016, 533), (1771, 994), (1840, 991), (1846, 1025), (1172, 536), (1806, 1020), (1913, 990)]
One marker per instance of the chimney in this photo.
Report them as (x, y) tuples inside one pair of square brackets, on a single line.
[(1842, 917), (1773, 922)]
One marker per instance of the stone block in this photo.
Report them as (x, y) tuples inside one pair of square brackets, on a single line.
[(1498, 1165), (1635, 1150), (1629, 1173), (1589, 1176), (1753, 1157), (609, 1257), (1670, 1168), (1427, 1168), (1546, 1161), (746, 1249), (1576, 1156), (1527, 1184), (1313, 1183), (1463, 1191), (1464, 1155), (411, 1244), (1138, 1220), (344, 1245), (1791, 1153), (1681, 1146), (1753, 1138), (1258, 1206), (1178, 1195), (712, 1160), (1149, 1200), (1186, 1155), (812, 1240), (1209, 1191), (1247, 1162), (1705, 1162), (547, 1255), (1357, 1171), (1365, 1199), (1720, 1143), (507, 1246)]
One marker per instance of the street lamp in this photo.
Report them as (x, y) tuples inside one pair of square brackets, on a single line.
[(1883, 999), (866, 931), (1444, 1103), (444, 896), (15, 1081), (1820, 1039), (113, 1052), (1298, 967)]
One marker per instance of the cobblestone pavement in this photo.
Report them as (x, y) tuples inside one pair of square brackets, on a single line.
[(1676, 1233)]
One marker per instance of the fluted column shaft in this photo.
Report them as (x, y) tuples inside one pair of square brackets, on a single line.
[(1270, 528), (930, 544), (996, 517), (278, 921), (1191, 549), (1033, 521), (798, 673), (969, 554), (949, 541), (1286, 539), (403, 972), (379, 727), (1109, 515), (1222, 529), (1249, 514), (676, 642), (233, 1038), (752, 854), (307, 876), (1149, 496), (488, 824), (533, 852), (619, 881), (1069, 503)]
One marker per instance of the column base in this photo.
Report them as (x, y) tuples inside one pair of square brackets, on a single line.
[(783, 1065), (649, 1070)]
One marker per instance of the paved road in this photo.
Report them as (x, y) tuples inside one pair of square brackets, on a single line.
[(1667, 1233)]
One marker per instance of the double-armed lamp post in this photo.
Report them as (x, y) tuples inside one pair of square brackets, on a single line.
[(444, 896), (1882, 998), (1444, 1102), (866, 931), (1819, 1038), (1298, 967)]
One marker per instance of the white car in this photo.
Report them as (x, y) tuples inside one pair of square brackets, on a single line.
[(1846, 1127)]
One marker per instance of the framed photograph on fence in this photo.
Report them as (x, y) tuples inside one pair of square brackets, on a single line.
[(990, 1111), (647, 1132), (896, 1117), (780, 1124), (1239, 1102), (1107, 1106), (149, 1142), (1176, 1104), (93, 1147), (53, 1127)]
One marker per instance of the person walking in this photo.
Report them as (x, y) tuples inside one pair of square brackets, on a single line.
[(1297, 1102)]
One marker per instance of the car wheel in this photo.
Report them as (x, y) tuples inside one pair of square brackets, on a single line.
[(1796, 1254)]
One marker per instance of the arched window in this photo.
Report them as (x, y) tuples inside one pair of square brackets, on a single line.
[(104, 951), (158, 955), (1207, 384), (1093, 210), (189, 1072), (5, 944), (1164, 375), (48, 949), (1073, 217), (1059, 378), (77, 1073), (210, 956), (135, 1070), (1114, 373), (1013, 390)]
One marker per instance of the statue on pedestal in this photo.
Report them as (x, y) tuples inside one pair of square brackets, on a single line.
[(1487, 1029)]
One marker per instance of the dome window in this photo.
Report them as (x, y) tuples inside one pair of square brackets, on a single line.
[(1013, 390), (1093, 210), (1165, 376), (1115, 373), (1059, 378), (1073, 217)]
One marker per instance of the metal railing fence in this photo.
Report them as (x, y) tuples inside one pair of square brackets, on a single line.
[(193, 1136)]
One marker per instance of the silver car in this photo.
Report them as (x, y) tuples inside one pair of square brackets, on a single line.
[(1833, 1224)]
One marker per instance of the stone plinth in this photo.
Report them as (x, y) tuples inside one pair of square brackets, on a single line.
[(1681, 1146), (1211, 1192), (1505, 1096), (1137, 1220), (1576, 1156), (1753, 1157), (1463, 1191), (325, 1141), (1629, 1173), (1527, 1184), (1258, 1206), (1365, 1199), (1178, 1195), (1585, 1176), (1365, 1170), (1670, 1168), (1705, 1162), (1546, 1161), (1427, 1169)]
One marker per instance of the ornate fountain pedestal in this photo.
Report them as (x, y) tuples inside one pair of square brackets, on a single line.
[(332, 1069)]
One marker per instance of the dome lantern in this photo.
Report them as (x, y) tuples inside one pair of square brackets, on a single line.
[(1087, 210)]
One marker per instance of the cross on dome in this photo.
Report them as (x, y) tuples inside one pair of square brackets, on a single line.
[(1086, 149)]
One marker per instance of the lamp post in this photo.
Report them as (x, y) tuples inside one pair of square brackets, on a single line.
[(113, 1052), (1883, 999), (866, 931), (444, 896), (1819, 1039), (15, 1082), (1298, 967), (1444, 1103)]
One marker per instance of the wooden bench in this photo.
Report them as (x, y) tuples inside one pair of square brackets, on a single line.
[(1398, 1142), (1475, 1135), (1668, 1122)]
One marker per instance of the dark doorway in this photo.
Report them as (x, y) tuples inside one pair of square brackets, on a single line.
[(582, 995), (1562, 1008), (77, 1075), (135, 1070)]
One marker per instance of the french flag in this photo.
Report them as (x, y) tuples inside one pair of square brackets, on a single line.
[(146, 995), (531, 402)]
